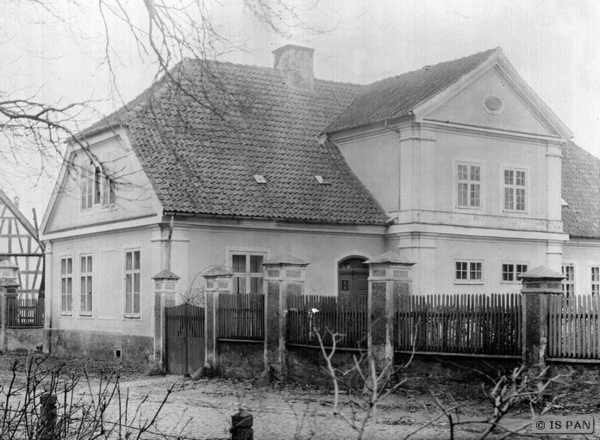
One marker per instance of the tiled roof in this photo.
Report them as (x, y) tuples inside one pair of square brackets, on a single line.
[(581, 191), (202, 146), (397, 96)]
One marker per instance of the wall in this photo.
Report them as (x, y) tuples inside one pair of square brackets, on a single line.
[(212, 243), (24, 339), (241, 359), (102, 345), (582, 254), (108, 278)]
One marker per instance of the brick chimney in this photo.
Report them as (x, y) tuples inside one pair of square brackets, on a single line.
[(296, 63)]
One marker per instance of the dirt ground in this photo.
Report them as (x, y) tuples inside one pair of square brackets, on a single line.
[(202, 409)]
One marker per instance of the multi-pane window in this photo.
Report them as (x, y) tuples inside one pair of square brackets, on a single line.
[(595, 280), (568, 286), (469, 271), (85, 277), (514, 190), (469, 186), (510, 271), (87, 188), (132, 282), (66, 284), (96, 187), (247, 273)]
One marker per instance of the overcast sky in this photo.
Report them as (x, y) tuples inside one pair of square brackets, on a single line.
[(554, 45)]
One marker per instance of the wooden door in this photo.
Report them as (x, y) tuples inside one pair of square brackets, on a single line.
[(185, 339)]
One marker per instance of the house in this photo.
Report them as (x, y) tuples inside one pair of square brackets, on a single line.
[(458, 167), (19, 243)]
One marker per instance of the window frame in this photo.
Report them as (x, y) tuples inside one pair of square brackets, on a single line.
[(468, 271), (64, 278), (86, 277), (469, 182), (595, 283), (86, 189), (514, 187), (515, 273), (247, 274), (568, 281), (133, 272)]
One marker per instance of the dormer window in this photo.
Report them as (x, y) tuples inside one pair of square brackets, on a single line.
[(96, 188), (260, 178)]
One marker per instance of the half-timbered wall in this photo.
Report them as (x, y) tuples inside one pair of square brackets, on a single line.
[(18, 241)]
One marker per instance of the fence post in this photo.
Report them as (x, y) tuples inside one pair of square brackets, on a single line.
[(284, 276), (389, 279), (165, 283), (538, 284), (8, 287), (218, 280)]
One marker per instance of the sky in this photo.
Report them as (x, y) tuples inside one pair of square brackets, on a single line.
[(554, 45)]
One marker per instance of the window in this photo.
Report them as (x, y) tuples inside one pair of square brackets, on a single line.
[(514, 190), (469, 271), (66, 284), (568, 270), (469, 186), (87, 189), (85, 273), (595, 280), (510, 271), (96, 187), (247, 273), (132, 282)]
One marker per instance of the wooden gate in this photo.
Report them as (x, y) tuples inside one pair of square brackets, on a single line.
[(184, 339)]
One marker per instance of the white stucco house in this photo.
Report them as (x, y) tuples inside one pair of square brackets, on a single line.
[(459, 167)]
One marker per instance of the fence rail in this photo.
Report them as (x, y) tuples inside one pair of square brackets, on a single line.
[(574, 327), (347, 318), (241, 316), (460, 323), (24, 312)]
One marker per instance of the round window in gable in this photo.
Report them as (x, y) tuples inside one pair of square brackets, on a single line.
[(493, 104)]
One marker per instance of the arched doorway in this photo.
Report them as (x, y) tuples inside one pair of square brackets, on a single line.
[(353, 274)]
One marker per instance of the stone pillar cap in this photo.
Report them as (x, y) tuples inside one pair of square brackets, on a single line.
[(541, 272), (217, 271), (390, 257), (285, 259), (165, 274)]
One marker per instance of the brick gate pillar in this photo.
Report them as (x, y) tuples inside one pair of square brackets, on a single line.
[(9, 282), (284, 275), (165, 285), (538, 285), (389, 279), (218, 280)]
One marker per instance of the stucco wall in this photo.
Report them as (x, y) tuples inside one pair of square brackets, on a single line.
[(582, 254), (108, 298), (321, 246)]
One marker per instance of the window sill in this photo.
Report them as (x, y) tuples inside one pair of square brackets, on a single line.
[(466, 282), (85, 315), (66, 313), (132, 316)]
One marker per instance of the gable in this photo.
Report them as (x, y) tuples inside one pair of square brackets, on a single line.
[(493, 102), (134, 197)]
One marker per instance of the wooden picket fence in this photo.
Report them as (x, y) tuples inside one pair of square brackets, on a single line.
[(24, 312), (241, 316), (574, 327), (346, 318), (475, 324)]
